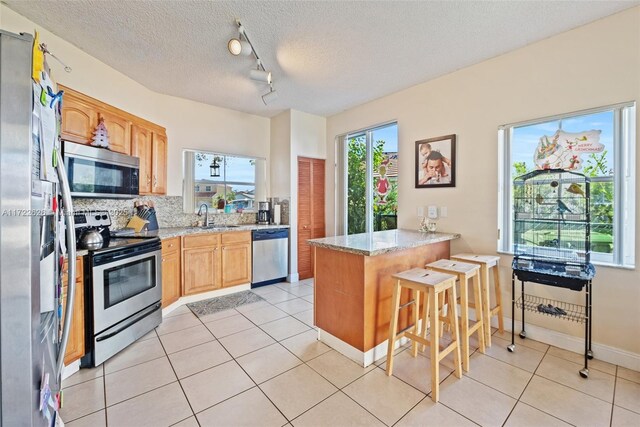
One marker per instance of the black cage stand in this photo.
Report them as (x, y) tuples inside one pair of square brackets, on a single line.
[(574, 312)]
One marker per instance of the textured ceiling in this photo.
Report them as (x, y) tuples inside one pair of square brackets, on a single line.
[(325, 56)]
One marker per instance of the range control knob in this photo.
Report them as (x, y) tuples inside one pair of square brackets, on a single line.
[(104, 217), (98, 217)]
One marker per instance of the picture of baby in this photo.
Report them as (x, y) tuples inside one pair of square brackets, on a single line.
[(434, 165)]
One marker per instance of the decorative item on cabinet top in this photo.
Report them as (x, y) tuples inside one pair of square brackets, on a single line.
[(127, 133)]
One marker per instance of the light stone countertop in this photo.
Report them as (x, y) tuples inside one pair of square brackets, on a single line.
[(169, 232), (381, 242)]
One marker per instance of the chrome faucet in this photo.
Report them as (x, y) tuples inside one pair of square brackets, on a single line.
[(206, 213)]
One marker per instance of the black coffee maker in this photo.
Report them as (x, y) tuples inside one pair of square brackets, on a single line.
[(264, 213)]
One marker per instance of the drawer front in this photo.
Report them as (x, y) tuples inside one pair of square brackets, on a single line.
[(201, 240), (236, 237), (170, 245)]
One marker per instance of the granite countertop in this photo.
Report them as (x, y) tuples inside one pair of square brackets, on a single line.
[(169, 232), (166, 233), (381, 242)]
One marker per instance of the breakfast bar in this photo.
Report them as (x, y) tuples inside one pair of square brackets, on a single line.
[(353, 285)]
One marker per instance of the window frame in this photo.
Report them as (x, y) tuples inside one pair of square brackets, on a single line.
[(624, 178)]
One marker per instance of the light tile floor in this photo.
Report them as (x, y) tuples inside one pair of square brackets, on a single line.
[(261, 365)]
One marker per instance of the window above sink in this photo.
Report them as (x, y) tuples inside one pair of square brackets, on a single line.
[(224, 182)]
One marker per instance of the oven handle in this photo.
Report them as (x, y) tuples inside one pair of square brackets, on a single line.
[(67, 207), (133, 321), (123, 260), (110, 257)]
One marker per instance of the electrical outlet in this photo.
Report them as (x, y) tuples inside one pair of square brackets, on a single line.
[(420, 210), (432, 212), (443, 212)]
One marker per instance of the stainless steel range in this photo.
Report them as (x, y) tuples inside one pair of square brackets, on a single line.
[(125, 292)]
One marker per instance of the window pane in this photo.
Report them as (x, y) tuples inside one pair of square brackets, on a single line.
[(203, 167), (599, 166), (240, 169), (356, 184), (385, 178), (241, 196)]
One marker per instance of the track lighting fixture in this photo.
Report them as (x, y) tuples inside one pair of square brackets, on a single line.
[(243, 46), (270, 96), (260, 74)]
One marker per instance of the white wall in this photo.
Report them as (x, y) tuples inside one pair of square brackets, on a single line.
[(308, 139), (594, 65), (189, 124), (281, 155)]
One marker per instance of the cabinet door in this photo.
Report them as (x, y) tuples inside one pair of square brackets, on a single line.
[(79, 120), (141, 148), (201, 269), (159, 164), (75, 346), (171, 286), (236, 264), (119, 130)]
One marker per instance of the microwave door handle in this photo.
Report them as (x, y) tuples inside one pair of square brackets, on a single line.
[(67, 211)]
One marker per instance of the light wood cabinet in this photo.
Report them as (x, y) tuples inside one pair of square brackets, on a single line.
[(171, 271), (236, 258), (79, 120), (201, 270), (119, 130), (141, 147), (214, 260), (75, 346), (151, 148), (159, 164), (128, 134)]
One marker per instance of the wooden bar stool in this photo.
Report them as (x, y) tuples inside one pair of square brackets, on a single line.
[(431, 284), (468, 274), (487, 262)]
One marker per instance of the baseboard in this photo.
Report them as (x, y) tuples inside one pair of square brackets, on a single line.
[(205, 295), (70, 369), (576, 344), (363, 359), (293, 277)]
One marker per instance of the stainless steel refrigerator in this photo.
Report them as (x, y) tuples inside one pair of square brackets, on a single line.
[(32, 333)]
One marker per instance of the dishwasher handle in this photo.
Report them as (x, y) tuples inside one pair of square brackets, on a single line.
[(279, 233)]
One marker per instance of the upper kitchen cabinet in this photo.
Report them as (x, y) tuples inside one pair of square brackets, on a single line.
[(151, 147), (141, 148), (159, 163), (79, 119), (128, 134), (119, 131)]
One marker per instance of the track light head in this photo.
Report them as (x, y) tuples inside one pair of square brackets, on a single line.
[(261, 76), (269, 97), (238, 46)]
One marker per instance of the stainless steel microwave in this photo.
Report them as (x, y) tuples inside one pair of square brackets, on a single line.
[(98, 172)]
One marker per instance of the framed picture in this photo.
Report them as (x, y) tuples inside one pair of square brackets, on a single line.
[(436, 162)]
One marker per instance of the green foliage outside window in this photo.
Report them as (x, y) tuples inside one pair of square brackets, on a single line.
[(357, 185)]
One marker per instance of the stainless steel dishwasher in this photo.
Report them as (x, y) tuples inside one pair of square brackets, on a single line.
[(270, 256)]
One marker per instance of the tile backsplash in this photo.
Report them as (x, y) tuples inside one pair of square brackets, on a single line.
[(169, 212)]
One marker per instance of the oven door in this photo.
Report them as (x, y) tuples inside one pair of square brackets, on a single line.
[(124, 283)]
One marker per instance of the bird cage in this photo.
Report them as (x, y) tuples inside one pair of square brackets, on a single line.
[(551, 221)]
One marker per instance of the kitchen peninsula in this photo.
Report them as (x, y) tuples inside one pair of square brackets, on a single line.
[(353, 285)]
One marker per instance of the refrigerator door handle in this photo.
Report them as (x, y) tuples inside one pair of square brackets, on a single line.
[(67, 210)]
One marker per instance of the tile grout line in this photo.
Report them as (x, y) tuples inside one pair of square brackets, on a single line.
[(613, 403)]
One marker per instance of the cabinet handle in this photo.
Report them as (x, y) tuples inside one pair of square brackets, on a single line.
[(162, 259), (155, 181)]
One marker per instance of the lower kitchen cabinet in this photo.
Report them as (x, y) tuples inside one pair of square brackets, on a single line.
[(236, 258), (213, 260), (171, 271), (75, 345)]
